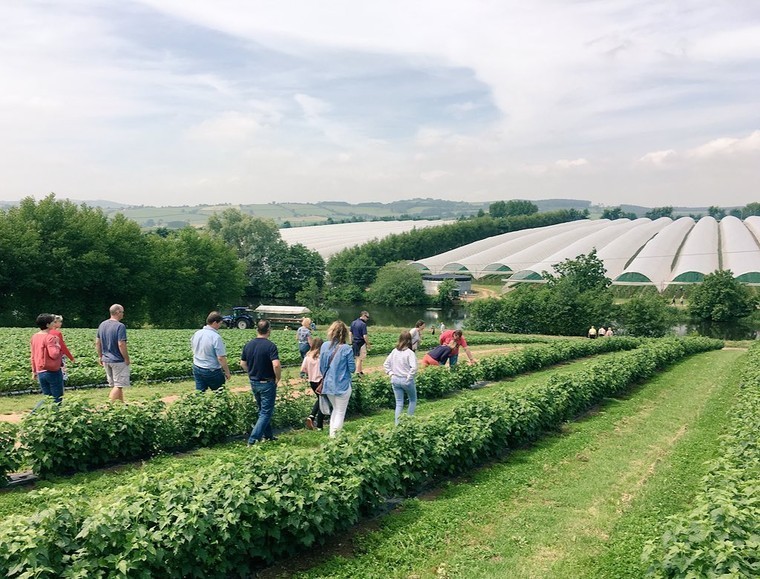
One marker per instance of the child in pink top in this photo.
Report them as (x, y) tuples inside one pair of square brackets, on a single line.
[(310, 367)]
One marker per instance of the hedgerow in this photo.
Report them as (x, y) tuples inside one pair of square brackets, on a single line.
[(720, 536), (224, 518)]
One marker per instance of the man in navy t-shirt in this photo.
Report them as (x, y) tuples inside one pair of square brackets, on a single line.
[(359, 340), (262, 362)]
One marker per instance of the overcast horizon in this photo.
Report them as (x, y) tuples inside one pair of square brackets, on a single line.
[(169, 102)]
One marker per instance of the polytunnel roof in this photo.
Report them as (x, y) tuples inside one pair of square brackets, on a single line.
[(739, 249), (620, 252), (584, 245), (654, 262), (328, 240), (699, 253), (487, 255)]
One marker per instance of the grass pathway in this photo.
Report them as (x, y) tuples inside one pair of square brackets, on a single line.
[(579, 504)]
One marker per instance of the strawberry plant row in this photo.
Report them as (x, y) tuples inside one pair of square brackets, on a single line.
[(78, 436), (720, 536), (222, 519), (165, 354)]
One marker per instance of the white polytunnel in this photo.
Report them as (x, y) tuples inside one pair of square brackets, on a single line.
[(328, 240), (549, 245), (483, 257), (617, 254), (739, 250), (653, 264), (699, 253), (582, 246)]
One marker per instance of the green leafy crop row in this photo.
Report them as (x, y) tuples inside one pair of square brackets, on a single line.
[(76, 436), (720, 536), (223, 518), (165, 354)]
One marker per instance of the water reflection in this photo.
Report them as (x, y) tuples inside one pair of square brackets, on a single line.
[(721, 330)]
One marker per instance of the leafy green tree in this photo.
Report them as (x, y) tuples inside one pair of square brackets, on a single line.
[(646, 315), (273, 268), (193, 274), (749, 209), (447, 293), (617, 213), (721, 298), (585, 272), (512, 208), (658, 212), (565, 305), (397, 284), (716, 212)]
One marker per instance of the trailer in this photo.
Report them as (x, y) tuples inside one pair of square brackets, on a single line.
[(282, 316)]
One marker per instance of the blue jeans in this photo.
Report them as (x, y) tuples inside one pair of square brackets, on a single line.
[(453, 360), (206, 378), (51, 384), (265, 394), (303, 349), (399, 389)]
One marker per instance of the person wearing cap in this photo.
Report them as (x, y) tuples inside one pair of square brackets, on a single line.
[(359, 340)]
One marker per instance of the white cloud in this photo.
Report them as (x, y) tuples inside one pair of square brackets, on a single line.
[(229, 126), (658, 158), (571, 164), (725, 146), (431, 176)]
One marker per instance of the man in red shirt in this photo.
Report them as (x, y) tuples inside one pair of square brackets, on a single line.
[(457, 337)]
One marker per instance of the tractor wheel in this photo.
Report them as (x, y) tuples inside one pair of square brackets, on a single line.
[(243, 324)]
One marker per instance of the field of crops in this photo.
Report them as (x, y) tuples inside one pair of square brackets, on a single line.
[(230, 509), (166, 354)]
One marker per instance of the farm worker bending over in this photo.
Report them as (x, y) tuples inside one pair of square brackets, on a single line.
[(438, 355), (359, 340), (262, 362), (336, 363), (459, 342), (210, 368), (111, 344), (46, 358)]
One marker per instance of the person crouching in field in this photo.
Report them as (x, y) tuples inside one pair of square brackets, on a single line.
[(336, 362), (310, 368), (401, 366), (438, 355), (46, 358)]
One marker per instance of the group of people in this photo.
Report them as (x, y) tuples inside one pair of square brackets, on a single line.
[(593, 333), (328, 365), (49, 354)]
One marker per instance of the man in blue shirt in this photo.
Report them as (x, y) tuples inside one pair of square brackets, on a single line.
[(111, 345), (359, 340), (210, 368), (262, 362)]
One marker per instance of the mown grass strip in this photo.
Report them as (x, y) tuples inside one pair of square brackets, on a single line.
[(579, 504)]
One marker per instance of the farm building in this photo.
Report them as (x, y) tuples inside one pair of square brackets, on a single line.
[(634, 252), (433, 282)]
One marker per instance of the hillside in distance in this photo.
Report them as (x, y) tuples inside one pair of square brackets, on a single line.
[(300, 214)]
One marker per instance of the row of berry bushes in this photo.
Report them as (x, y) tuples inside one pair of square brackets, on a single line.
[(720, 536), (224, 518), (159, 355), (78, 436)]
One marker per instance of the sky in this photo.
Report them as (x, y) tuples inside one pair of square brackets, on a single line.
[(185, 102)]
